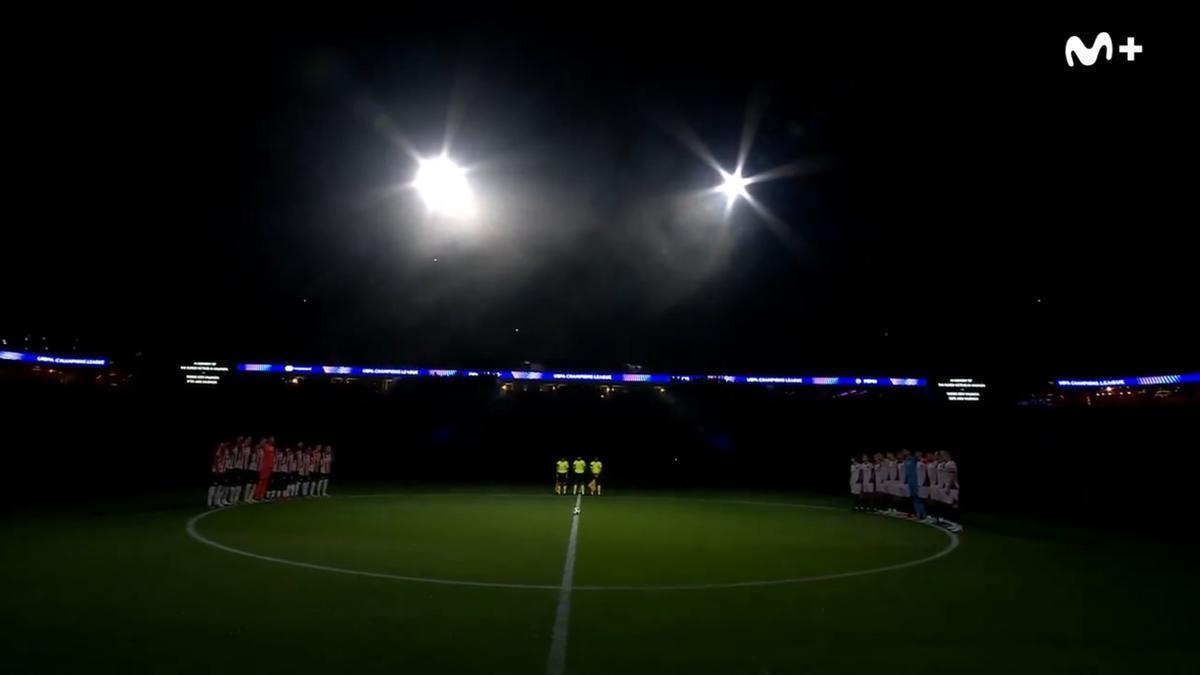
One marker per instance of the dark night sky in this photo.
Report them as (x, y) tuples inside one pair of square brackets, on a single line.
[(199, 190)]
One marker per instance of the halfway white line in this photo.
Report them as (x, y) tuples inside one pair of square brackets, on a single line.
[(557, 661)]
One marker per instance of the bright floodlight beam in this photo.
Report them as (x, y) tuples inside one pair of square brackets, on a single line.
[(733, 186), (443, 187)]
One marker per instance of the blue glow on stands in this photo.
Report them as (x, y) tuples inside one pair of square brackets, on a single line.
[(554, 376), (1169, 379), (756, 379), (1144, 381), (650, 378), (51, 360), (388, 372), (585, 377), (522, 375)]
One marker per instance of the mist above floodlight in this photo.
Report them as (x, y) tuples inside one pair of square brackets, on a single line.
[(443, 187)]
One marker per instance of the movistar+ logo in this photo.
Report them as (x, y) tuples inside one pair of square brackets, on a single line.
[(1103, 44)]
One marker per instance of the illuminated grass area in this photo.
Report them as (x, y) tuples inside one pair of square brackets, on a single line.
[(135, 593)]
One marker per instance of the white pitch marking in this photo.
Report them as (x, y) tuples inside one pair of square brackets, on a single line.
[(557, 661), (798, 580), (950, 547), (195, 534), (739, 501), (446, 494)]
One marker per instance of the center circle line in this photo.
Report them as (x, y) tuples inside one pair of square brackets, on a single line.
[(953, 543)]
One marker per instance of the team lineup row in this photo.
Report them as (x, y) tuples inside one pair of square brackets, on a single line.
[(921, 485), (245, 471), (575, 475)]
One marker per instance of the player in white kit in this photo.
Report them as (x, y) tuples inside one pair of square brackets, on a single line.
[(950, 487), (893, 472), (878, 469), (856, 483), (924, 461), (867, 471), (935, 488), (902, 491), (897, 470), (883, 482)]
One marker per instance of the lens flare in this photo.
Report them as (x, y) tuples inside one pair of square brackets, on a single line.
[(443, 187)]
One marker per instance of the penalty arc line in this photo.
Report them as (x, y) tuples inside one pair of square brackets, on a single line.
[(556, 662)]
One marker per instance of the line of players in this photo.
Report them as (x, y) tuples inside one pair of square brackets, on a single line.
[(922, 485), (245, 471), (575, 475)]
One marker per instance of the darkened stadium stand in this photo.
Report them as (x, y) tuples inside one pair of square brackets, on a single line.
[(153, 430)]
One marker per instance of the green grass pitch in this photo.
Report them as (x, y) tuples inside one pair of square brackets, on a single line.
[(701, 585)]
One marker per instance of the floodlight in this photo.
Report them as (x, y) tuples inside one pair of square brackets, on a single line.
[(443, 186), (733, 186)]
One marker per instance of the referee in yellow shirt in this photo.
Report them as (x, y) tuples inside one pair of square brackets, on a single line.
[(579, 469), (560, 476), (594, 487)]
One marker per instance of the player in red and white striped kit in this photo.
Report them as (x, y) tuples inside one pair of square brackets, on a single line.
[(243, 471), (318, 464), (294, 470), (278, 483), (250, 475), (305, 470), (237, 475), (314, 471), (230, 477), (216, 487), (326, 469)]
